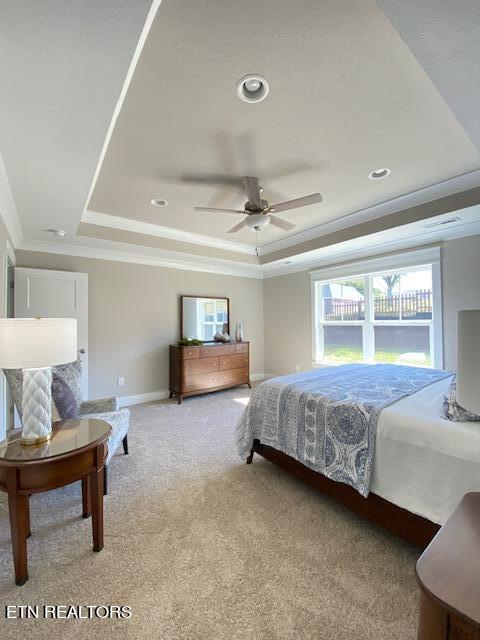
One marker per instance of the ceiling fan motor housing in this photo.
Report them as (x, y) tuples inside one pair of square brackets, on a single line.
[(249, 206), (257, 221)]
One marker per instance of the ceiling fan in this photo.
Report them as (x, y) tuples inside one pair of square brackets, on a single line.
[(259, 213)]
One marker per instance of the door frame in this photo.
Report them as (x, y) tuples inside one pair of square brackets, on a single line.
[(8, 259)]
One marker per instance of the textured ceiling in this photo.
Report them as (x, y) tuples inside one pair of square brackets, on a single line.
[(63, 66), (445, 38), (347, 96), (349, 92)]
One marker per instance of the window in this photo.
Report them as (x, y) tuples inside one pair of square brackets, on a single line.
[(212, 314), (381, 316)]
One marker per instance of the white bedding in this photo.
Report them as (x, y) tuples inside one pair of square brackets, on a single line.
[(423, 462)]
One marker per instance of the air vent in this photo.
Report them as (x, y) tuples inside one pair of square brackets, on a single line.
[(442, 223)]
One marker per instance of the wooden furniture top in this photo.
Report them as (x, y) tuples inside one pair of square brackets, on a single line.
[(68, 436), (211, 349), (449, 568)]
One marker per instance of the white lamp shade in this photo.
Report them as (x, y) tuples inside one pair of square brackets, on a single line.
[(468, 360), (33, 343)]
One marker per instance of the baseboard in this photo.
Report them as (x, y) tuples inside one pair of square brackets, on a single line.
[(261, 376), (140, 398), (163, 394)]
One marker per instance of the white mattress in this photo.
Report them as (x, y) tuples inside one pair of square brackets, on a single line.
[(423, 462)]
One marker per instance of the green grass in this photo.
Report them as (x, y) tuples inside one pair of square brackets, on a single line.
[(335, 353)]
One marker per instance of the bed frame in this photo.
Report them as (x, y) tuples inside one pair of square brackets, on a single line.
[(400, 522)]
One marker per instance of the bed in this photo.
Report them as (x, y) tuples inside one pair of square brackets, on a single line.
[(407, 471)]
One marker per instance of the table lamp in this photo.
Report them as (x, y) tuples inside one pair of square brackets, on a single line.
[(34, 345), (468, 360)]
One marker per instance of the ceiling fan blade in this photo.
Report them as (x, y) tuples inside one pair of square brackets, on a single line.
[(272, 195), (238, 226), (313, 198), (253, 190), (216, 210), (291, 168), (281, 224), (204, 179), (228, 195)]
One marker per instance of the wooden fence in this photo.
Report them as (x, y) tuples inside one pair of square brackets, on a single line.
[(408, 306)]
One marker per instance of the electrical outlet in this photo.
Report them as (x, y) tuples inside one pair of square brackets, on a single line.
[(297, 367), (121, 381)]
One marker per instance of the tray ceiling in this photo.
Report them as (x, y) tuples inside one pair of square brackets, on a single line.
[(346, 96)]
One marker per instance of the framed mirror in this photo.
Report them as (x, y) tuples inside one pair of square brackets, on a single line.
[(201, 317)]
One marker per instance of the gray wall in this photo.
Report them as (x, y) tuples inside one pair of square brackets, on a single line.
[(287, 323), (134, 314), (461, 289), (287, 308)]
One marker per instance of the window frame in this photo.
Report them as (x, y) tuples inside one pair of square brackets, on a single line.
[(368, 269)]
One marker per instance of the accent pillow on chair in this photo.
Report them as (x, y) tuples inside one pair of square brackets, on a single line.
[(68, 376), (454, 411), (63, 398)]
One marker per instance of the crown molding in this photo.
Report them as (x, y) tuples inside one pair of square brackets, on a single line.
[(422, 196), (8, 210), (451, 186), (390, 241), (171, 233), (117, 252), (418, 237)]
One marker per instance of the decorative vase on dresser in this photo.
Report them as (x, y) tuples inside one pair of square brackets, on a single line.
[(239, 332), (206, 368)]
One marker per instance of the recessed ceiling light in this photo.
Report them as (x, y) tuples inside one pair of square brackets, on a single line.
[(58, 233), (378, 174), (252, 88), (158, 202)]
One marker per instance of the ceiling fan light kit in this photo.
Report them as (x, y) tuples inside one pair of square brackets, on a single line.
[(252, 88), (257, 221)]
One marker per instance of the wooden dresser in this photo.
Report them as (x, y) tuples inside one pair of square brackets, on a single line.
[(206, 368)]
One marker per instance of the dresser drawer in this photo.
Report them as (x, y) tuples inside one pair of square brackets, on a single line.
[(225, 350), (200, 365), (233, 362), (241, 348), (187, 353), (233, 376), (199, 381)]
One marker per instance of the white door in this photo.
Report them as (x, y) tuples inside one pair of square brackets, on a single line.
[(41, 293)]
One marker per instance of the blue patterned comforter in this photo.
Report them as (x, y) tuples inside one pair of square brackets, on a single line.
[(327, 418)]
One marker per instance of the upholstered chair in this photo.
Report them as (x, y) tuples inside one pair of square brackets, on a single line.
[(104, 409)]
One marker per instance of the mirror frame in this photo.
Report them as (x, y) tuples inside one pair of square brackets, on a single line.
[(207, 298)]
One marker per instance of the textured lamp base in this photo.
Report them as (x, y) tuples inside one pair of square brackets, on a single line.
[(37, 406)]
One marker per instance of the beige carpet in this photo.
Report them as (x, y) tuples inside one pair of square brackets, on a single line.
[(202, 546)]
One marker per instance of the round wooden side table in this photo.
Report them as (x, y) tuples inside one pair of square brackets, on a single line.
[(77, 451)]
